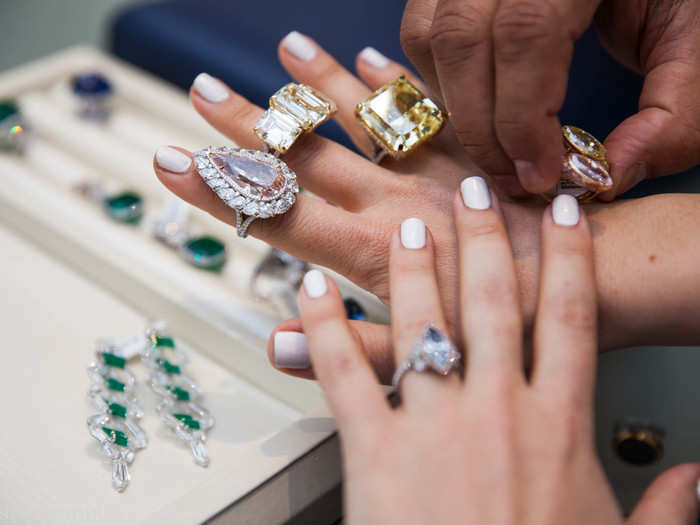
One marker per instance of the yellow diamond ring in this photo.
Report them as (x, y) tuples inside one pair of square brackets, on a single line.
[(399, 118)]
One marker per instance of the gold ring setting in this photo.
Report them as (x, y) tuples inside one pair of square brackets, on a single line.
[(257, 184), (399, 118), (585, 171)]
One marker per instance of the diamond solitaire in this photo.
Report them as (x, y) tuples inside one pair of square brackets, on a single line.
[(432, 351), (399, 117), (295, 109), (256, 185)]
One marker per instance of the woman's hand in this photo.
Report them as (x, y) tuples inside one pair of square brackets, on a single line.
[(501, 68), (648, 240), (500, 446), (350, 235)]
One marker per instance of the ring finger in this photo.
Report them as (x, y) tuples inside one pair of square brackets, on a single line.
[(415, 304), (313, 157)]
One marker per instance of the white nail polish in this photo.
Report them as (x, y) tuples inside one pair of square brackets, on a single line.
[(374, 58), (565, 210), (291, 350), (315, 284), (299, 46), (475, 193), (172, 159), (210, 88), (413, 234)]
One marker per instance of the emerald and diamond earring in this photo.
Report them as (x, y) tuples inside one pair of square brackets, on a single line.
[(178, 408), (115, 426)]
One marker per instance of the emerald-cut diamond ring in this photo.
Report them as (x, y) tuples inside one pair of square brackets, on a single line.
[(432, 351), (399, 118), (294, 110)]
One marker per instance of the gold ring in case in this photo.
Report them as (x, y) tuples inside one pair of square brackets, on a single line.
[(399, 118)]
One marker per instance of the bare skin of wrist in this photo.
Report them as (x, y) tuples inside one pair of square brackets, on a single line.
[(646, 270)]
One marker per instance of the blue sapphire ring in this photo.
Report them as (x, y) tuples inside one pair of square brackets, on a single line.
[(255, 184), (93, 93), (432, 351)]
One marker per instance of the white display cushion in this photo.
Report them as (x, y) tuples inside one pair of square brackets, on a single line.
[(53, 471)]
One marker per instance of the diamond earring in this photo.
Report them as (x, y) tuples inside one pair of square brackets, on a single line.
[(115, 425), (179, 394)]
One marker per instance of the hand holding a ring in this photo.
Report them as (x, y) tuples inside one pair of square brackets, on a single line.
[(499, 446), (501, 68), (351, 237)]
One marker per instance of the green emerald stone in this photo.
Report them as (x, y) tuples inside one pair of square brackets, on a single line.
[(180, 393), (115, 384), (164, 341), (117, 410), (113, 360), (168, 367), (7, 109), (205, 252), (117, 436), (124, 207), (188, 420)]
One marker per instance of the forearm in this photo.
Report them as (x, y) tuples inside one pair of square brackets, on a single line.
[(647, 254)]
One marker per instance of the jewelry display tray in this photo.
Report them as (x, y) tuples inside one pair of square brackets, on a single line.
[(71, 275)]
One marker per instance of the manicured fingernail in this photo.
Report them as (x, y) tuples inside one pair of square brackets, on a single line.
[(315, 284), (565, 210), (299, 46), (172, 159), (291, 350), (475, 193), (529, 175), (210, 88), (413, 234), (374, 58)]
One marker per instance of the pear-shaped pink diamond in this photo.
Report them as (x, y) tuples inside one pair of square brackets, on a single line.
[(252, 176)]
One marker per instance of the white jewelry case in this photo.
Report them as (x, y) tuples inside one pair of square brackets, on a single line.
[(70, 275)]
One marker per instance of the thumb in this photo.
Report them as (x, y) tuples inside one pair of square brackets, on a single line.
[(650, 143), (672, 498), (663, 137), (289, 354)]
